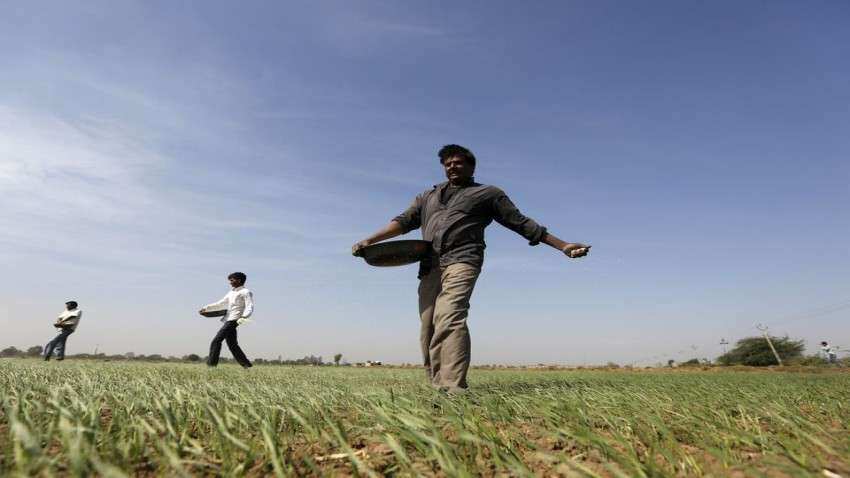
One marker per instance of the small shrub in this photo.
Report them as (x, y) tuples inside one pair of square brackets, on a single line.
[(755, 351)]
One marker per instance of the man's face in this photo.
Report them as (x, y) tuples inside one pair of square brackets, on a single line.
[(70, 306), (458, 170), (234, 282)]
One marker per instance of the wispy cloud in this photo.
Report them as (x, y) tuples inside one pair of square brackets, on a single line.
[(55, 168), (116, 195)]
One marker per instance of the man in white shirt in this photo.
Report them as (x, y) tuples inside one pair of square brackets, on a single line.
[(828, 352), (238, 305), (67, 324)]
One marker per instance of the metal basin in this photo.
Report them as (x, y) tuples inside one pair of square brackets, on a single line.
[(214, 313), (395, 253)]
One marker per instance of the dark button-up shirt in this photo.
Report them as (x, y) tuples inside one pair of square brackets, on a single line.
[(456, 228)]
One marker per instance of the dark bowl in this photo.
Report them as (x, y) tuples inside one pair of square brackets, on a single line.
[(214, 313), (395, 253)]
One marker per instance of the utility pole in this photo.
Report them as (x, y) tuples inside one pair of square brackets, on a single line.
[(763, 329), (95, 348), (724, 343)]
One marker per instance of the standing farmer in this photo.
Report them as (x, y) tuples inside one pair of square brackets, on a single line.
[(828, 353), (238, 305), (67, 324), (453, 216)]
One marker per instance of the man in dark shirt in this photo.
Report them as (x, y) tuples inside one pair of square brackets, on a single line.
[(453, 216)]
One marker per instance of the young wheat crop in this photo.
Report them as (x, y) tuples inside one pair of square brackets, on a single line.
[(126, 419)]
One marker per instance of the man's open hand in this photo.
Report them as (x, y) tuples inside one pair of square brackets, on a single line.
[(575, 250)]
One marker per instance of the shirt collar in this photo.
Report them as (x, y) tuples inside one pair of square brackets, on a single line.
[(238, 288), (448, 184)]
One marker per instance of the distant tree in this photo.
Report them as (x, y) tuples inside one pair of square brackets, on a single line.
[(310, 360), (337, 358), (35, 351), (10, 352), (691, 363), (192, 358), (756, 352)]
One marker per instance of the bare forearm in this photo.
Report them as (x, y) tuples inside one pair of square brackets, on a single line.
[(554, 241), (393, 229), (389, 231)]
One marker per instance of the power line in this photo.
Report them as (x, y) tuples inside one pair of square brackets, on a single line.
[(808, 314), (826, 310)]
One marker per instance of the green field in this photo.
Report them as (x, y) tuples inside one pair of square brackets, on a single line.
[(118, 419)]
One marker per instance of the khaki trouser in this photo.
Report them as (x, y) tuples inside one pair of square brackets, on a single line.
[(444, 337)]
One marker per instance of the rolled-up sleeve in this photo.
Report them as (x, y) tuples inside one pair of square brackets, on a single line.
[(411, 218), (507, 214)]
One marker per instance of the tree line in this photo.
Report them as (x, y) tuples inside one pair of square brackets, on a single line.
[(38, 350), (751, 351)]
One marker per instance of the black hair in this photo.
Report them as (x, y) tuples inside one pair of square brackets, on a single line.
[(72, 303), (240, 276), (455, 150)]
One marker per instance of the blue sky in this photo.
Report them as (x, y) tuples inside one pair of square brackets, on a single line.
[(147, 149)]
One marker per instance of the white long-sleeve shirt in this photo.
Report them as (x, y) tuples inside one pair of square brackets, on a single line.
[(239, 304), (827, 351), (69, 318)]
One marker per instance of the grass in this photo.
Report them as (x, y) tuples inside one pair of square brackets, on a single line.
[(127, 419)]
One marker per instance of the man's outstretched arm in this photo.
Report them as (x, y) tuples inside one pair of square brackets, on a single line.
[(571, 249), (507, 214), (405, 222), (214, 305), (389, 231)]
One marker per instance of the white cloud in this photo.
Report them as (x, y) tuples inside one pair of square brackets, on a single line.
[(54, 169), (99, 193)]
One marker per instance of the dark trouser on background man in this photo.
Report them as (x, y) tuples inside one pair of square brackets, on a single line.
[(57, 344), (227, 332), (444, 337)]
